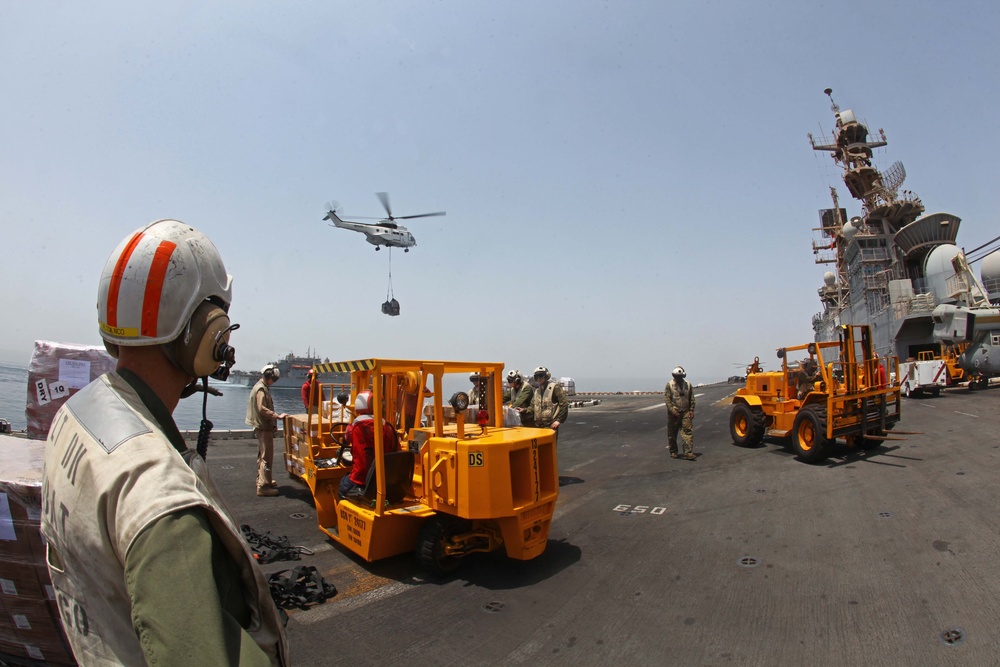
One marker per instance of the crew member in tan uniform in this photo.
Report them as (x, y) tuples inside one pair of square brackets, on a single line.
[(549, 405), (147, 565), (263, 418), (679, 397)]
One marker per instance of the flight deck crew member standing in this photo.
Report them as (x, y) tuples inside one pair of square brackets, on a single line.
[(306, 386), (679, 397), (147, 565), (519, 395), (263, 418), (549, 404)]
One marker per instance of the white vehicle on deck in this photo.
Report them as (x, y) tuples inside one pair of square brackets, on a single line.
[(918, 377)]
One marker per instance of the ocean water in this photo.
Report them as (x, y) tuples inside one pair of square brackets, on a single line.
[(225, 412), (229, 410)]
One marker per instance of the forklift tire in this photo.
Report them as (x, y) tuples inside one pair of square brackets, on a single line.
[(430, 554), (809, 434), (746, 425)]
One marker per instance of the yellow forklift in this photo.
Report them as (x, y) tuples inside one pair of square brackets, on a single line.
[(462, 482), (824, 391)]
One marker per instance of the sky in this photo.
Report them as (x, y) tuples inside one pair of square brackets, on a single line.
[(629, 185)]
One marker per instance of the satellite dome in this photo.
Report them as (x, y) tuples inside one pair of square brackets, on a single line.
[(829, 278), (989, 272), (849, 230), (938, 268)]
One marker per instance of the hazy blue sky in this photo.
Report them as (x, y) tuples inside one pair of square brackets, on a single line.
[(629, 185)]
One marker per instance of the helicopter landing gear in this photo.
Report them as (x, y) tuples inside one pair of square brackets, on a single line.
[(377, 248), (406, 250)]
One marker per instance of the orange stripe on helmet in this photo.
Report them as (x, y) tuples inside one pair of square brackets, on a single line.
[(116, 278), (154, 287)]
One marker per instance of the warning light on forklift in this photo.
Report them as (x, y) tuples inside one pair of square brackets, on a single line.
[(459, 401), (483, 417)]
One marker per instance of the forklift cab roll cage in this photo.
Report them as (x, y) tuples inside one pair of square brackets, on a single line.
[(474, 486)]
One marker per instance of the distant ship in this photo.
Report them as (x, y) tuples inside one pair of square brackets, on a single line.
[(892, 265), (293, 373)]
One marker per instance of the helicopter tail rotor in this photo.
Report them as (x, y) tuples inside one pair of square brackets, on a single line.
[(332, 209)]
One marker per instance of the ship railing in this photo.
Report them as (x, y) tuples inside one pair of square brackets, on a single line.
[(991, 285), (957, 285), (918, 303)]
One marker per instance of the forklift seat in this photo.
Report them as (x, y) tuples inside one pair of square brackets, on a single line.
[(398, 477)]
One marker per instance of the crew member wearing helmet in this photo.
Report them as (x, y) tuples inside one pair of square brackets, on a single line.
[(549, 405), (518, 395), (478, 394), (679, 397), (361, 436), (264, 420), (142, 551)]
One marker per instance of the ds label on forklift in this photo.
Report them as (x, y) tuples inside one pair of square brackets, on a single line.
[(476, 459)]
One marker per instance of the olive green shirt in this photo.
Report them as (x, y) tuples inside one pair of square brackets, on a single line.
[(186, 590)]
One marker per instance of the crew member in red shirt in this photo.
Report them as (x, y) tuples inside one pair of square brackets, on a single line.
[(361, 435), (310, 376)]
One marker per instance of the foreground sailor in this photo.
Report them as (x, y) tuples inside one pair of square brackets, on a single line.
[(147, 564)]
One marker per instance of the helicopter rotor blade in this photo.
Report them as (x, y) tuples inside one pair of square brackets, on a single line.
[(422, 215), (384, 198)]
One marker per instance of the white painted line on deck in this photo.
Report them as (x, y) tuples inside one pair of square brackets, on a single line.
[(652, 407), (585, 463), (966, 414)]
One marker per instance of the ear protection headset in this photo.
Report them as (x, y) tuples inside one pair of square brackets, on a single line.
[(203, 347)]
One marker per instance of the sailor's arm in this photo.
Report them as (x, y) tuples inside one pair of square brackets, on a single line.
[(187, 598)]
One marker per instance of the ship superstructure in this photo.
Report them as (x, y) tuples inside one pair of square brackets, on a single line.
[(891, 263), (293, 369)]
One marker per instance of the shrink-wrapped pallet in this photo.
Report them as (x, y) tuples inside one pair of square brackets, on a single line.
[(56, 372), (30, 627)]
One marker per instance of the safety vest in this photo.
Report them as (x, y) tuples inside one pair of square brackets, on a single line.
[(99, 439), (544, 408), (254, 416), (678, 398)]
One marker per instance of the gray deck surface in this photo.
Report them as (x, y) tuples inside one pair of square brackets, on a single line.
[(744, 557)]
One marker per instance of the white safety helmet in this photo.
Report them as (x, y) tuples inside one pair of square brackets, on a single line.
[(271, 372), (542, 370), (473, 377), (514, 376), (363, 403), (155, 280), (679, 372)]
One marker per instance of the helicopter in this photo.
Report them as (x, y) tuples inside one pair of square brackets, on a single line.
[(385, 232)]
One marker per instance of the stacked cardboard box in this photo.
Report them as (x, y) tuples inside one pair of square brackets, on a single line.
[(30, 629), (56, 372)]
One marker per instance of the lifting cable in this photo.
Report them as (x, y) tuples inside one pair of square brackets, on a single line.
[(388, 292)]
